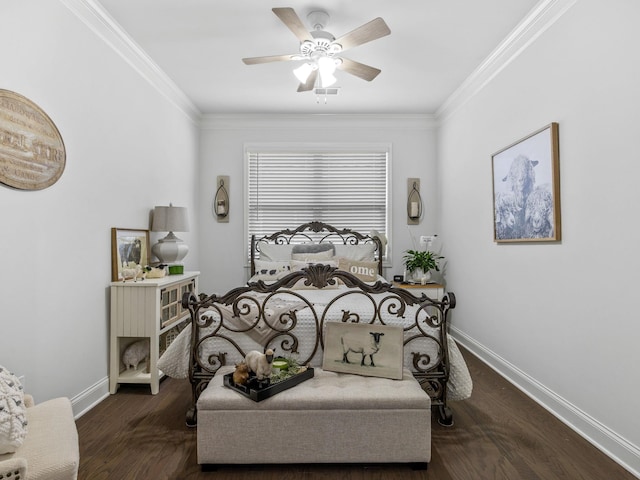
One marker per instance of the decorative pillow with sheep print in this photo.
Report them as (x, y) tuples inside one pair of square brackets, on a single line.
[(297, 265), (365, 271), (364, 349), (270, 271), (13, 413)]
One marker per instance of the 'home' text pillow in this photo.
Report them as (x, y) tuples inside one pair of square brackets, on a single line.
[(365, 271)]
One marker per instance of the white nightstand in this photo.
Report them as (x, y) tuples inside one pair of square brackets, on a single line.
[(434, 291), (147, 309)]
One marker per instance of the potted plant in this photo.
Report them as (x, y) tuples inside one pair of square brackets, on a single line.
[(419, 263)]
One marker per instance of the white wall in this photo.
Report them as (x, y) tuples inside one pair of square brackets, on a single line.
[(128, 149), (412, 139), (560, 319)]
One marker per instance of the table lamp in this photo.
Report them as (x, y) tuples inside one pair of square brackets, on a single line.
[(170, 250)]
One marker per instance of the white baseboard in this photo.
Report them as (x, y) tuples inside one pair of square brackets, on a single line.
[(89, 398), (603, 438)]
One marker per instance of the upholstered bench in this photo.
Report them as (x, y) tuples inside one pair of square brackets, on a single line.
[(330, 418)]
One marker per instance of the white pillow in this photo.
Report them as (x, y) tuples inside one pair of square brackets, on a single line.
[(318, 257), (275, 253), (297, 265), (13, 413), (313, 248), (362, 252)]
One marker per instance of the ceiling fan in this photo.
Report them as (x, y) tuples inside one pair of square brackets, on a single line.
[(321, 51)]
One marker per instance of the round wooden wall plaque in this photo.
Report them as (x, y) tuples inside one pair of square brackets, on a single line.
[(32, 154)]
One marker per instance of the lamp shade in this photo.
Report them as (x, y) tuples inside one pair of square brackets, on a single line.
[(170, 219)]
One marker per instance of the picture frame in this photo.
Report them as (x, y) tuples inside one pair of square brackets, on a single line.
[(526, 189), (128, 245), (384, 343)]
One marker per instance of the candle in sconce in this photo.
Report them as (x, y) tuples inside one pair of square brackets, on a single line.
[(414, 209), (221, 208)]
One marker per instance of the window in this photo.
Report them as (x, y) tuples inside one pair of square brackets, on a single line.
[(347, 187)]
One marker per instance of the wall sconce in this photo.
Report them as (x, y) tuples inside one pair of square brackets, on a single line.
[(221, 199), (415, 208)]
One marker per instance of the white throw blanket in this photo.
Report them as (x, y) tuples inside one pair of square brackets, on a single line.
[(175, 363)]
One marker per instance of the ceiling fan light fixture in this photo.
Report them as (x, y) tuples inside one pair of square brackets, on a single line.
[(326, 65), (319, 49), (303, 71), (326, 69), (326, 79)]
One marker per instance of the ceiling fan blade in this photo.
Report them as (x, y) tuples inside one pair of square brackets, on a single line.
[(290, 18), (269, 59), (310, 83), (373, 30), (359, 69)]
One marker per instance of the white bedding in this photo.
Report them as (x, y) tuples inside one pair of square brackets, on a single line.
[(329, 305)]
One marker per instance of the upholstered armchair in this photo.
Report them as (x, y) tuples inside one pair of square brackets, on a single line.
[(49, 449)]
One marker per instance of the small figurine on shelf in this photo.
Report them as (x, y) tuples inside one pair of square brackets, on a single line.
[(155, 272), (135, 353), (131, 271), (241, 374)]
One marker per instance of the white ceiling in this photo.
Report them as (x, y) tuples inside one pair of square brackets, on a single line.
[(433, 47)]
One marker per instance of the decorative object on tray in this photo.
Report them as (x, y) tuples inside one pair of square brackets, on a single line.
[(260, 363), (130, 252), (280, 379), (241, 374), (32, 153), (526, 188)]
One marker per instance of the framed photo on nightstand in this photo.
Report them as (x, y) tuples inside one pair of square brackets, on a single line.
[(129, 252)]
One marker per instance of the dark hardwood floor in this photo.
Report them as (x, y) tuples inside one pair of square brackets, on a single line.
[(499, 433)]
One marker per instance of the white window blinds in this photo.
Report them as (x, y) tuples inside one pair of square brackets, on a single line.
[(345, 189)]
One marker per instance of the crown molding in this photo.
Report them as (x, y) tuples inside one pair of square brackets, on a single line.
[(304, 121), (541, 17), (104, 26)]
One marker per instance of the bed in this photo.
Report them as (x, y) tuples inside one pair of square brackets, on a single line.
[(304, 283), (296, 288)]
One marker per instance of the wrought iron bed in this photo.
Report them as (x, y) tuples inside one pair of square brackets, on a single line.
[(290, 314)]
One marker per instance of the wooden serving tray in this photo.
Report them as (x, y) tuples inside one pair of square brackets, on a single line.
[(257, 393)]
